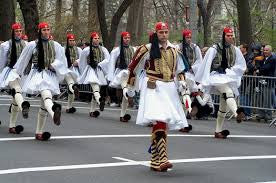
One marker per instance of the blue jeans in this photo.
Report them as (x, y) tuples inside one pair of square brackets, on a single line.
[(245, 100)]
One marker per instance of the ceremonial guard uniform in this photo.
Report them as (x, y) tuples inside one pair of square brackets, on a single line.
[(221, 72), (9, 54), (159, 100), (46, 61), (120, 58), (72, 53), (93, 65)]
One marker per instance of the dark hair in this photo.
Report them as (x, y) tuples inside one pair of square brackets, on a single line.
[(122, 63), (87, 44), (184, 46), (67, 54), (155, 50), (40, 53), (92, 62), (13, 51), (224, 62), (246, 46)]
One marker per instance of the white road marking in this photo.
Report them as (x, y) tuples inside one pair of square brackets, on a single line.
[(106, 108), (267, 182), (132, 163), (130, 136)]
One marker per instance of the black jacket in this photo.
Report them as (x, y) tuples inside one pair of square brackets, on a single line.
[(268, 66)]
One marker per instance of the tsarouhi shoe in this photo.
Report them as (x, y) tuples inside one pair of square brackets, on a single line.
[(94, 114), (186, 129), (43, 136), (222, 135), (25, 109), (16, 130), (71, 110), (125, 118), (57, 113)]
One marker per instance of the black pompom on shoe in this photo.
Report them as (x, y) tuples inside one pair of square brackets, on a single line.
[(125, 118), (94, 114), (25, 109), (71, 110), (57, 113), (43, 137)]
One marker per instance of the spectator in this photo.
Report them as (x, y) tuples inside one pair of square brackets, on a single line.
[(267, 86), (246, 86), (202, 105)]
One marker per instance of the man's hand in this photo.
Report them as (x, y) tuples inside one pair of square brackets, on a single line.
[(75, 64)]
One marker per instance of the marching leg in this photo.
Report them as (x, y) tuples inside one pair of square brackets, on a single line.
[(53, 108), (17, 95), (41, 120), (220, 119), (93, 112), (13, 118), (96, 92)]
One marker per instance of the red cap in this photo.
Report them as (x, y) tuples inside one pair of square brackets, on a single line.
[(187, 32), (94, 34), (227, 30), (161, 26), (43, 25), (124, 34), (16, 26), (70, 36), (24, 36)]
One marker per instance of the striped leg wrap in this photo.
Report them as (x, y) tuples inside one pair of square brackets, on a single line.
[(162, 151), (155, 163)]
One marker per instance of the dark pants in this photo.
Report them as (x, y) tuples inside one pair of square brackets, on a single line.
[(203, 111), (113, 96)]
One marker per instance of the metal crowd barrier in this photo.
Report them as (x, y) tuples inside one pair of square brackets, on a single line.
[(256, 93)]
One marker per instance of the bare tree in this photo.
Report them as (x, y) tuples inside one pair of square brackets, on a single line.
[(206, 12), (58, 13), (93, 20), (76, 6), (134, 21), (193, 19), (42, 7), (109, 37), (7, 18), (244, 17), (30, 14)]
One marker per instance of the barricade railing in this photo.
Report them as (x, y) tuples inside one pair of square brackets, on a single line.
[(256, 92)]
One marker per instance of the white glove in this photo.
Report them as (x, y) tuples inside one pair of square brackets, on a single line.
[(182, 86), (128, 93)]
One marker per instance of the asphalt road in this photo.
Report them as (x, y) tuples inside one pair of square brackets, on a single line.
[(104, 150)]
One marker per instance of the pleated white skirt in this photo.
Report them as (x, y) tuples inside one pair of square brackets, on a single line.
[(91, 76), (119, 77), (6, 76), (39, 81), (161, 104)]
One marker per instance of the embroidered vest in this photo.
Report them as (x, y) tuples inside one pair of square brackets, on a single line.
[(164, 68), (128, 52), (190, 51), (49, 53), (230, 54), (20, 45), (98, 55), (74, 54)]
